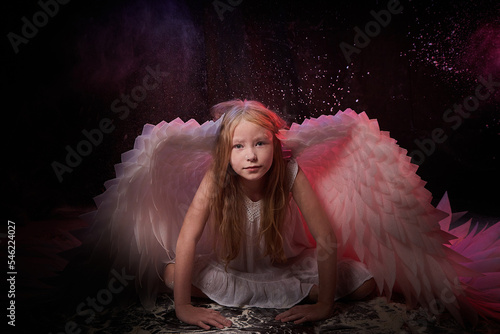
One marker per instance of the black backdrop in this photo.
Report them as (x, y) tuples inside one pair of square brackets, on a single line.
[(72, 67)]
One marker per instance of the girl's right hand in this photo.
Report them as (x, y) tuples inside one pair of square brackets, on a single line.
[(201, 317)]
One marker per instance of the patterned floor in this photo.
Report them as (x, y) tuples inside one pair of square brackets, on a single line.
[(373, 316), (51, 286)]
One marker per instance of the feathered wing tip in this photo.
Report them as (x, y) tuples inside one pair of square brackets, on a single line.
[(380, 210), (481, 246), (140, 214)]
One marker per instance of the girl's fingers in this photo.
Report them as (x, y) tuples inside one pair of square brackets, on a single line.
[(285, 314), (290, 315), (215, 319), (303, 313), (203, 325), (301, 320), (201, 317)]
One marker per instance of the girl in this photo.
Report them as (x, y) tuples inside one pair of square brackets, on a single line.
[(206, 211), (263, 251)]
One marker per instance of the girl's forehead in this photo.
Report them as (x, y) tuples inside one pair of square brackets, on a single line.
[(249, 129)]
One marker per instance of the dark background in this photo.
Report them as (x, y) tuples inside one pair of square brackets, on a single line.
[(285, 54)]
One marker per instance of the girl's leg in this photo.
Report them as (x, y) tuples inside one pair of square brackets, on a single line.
[(364, 291), (313, 294), (168, 277)]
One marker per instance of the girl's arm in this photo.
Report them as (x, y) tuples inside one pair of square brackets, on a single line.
[(192, 228), (326, 244)]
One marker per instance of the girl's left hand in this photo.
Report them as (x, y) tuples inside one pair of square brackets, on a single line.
[(302, 313)]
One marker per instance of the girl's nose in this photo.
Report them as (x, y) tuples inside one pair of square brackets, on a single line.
[(251, 156)]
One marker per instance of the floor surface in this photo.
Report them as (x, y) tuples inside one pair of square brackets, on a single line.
[(54, 294)]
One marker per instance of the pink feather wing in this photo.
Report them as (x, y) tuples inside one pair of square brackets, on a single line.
[(379, 209)]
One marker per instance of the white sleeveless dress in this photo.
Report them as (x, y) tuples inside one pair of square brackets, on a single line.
[(253, 280)]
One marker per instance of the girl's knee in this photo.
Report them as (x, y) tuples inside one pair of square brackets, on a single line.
[(364, 291), (168, 275)]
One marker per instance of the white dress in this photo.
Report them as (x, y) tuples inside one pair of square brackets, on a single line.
[(253, 280)]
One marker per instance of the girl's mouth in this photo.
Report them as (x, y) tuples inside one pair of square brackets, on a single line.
[(252, 168)]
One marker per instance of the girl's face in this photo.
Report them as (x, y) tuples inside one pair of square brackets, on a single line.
[(252, 151)]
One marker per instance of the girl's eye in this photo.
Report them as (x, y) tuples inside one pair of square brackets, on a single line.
[(238, 146), (260, 143)]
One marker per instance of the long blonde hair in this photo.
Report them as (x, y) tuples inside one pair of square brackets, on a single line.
[(227, 203)]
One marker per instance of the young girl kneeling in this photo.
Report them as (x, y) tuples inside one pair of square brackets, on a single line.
[(274, 244)]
